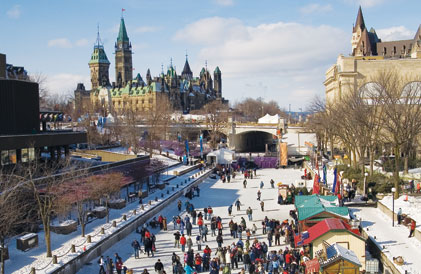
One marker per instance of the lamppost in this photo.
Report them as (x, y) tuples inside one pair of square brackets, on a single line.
[(365, 181), (393, 206)]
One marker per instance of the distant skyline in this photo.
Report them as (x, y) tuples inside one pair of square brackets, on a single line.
[(275, 49)]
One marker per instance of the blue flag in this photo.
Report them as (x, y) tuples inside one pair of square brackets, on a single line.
[(187, 147), (335, 179), (201, 146), (325, 174)]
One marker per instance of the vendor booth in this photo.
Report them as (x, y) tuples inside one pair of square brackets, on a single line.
[(221, 156)]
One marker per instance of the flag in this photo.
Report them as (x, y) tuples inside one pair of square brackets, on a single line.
[(201, 146), (325, 174), (335, 180), (316, 185), (338, 185), (187, 147)]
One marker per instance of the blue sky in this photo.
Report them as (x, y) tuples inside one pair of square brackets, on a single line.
[(275, 49)]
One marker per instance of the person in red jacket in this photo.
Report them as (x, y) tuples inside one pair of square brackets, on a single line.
[(183, 243), (198, 263), (288, 259), (412, 229)]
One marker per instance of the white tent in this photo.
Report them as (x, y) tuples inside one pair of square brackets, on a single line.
[(221, 156), (269, 119)]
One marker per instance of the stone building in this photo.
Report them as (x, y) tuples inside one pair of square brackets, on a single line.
[(185, 91), (369, 56)]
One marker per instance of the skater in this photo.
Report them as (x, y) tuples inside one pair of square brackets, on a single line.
[(229, 210), (179, 205), (199, 242), (399, 216), (101, 264), (412, 229), (245, 183), (183, 243), (262, 205), (136, 246), (249, 212), (259, 194), (238, 204), (159, 267), (272, 183), (177, 236), (261, 184)]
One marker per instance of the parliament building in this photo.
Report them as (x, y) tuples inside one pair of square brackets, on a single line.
[(185, 92)]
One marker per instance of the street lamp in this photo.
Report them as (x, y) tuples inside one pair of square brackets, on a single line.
[(365, 181), (393, 206)]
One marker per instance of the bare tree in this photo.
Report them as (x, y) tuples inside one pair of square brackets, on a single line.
[(216, 119), (14, 210), (106, 187), (252, 109), (157, 120), (401, 101)]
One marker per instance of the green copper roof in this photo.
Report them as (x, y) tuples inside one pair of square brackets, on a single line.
[(217, 70), (122, 34), (99, 56), (311, 205), (171, 72), (202, 71)]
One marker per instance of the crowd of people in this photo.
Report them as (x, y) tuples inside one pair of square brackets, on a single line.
[(245, 249)]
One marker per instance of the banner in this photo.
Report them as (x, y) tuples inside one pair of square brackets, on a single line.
[(316, 185), (201, 146), (187, 147), (325, 174), (335, 180), (283, 148)]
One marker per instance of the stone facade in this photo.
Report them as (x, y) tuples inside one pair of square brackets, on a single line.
[(369, 57), (185, 92)]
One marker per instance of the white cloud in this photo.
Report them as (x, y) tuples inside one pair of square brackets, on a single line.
[(14, 12), (143, 29), (395, 33), (285, 56), (225, 2), (60, 43), (66, 43), (316, 8), (65, 83)]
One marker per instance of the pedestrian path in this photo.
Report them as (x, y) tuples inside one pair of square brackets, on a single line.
[(393, 241), (219, 196)]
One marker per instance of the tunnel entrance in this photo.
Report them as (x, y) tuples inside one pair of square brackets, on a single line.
[(254, 141)]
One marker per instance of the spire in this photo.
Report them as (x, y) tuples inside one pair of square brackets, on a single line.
[(99, 55), (122, 34), (217, 70), (186, 70), (360, 20)]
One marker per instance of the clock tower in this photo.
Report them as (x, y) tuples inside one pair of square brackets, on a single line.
[(123, 57)]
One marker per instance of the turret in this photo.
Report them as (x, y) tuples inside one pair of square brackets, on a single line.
[(187, 73), (99, 65), (217, 82)]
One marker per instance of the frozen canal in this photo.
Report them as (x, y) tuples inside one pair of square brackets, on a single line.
[(219, 196)]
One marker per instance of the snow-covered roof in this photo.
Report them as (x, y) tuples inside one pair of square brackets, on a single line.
[(336, 252)]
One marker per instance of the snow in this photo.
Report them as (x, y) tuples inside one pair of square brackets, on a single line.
[(219, 196), (21, 262), (412, 207), (66, 223), (393, 241), (27, 236)]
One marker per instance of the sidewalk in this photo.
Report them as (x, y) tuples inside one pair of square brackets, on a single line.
[(393, 241)]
